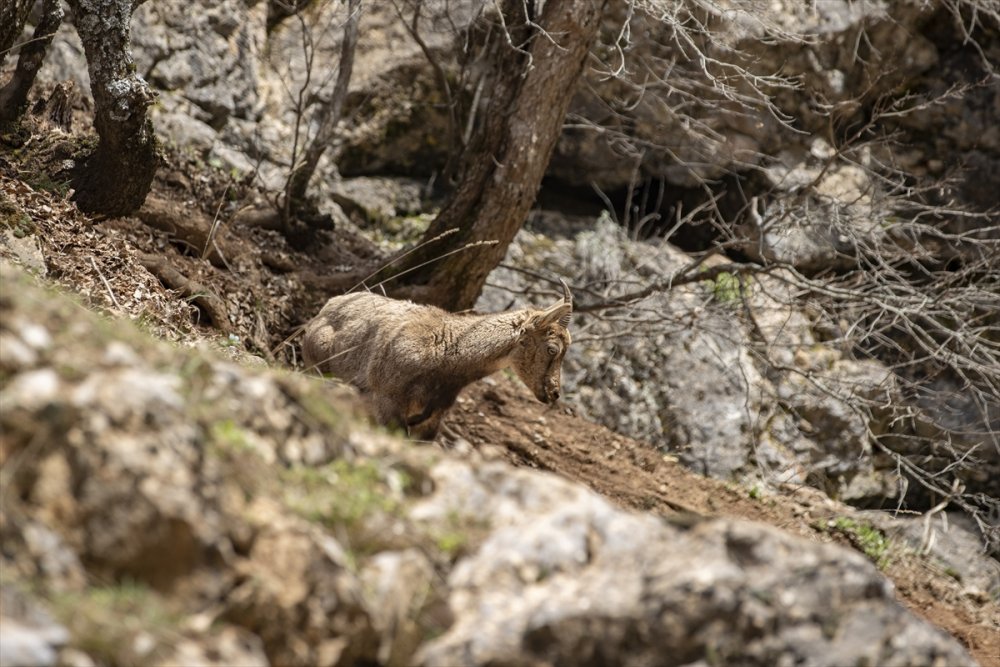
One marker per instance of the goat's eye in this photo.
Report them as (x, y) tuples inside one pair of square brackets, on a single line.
[(553, 350)]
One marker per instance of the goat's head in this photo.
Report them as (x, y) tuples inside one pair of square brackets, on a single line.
[(543, 341)]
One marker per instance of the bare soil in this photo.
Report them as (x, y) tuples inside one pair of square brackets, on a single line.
[(188, 272)]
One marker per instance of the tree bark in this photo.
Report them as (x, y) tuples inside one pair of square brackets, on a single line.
[(14, 94), (534, 75), (13, 16), (116, 177)]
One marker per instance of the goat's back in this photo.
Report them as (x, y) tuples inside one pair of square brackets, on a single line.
[(349, 330)]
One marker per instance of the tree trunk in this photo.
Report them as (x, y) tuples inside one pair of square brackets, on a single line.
[(14, 94), (13, 15), (534, 75), (328, 117), (116, 177)]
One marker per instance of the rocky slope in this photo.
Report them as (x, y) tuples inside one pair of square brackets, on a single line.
[(163, 505), (796, 164), (182, 504)]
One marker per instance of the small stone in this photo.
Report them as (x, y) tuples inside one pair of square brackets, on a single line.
[(36, 336), (32, 390), (14, 354), (118, 353), (143, 644)]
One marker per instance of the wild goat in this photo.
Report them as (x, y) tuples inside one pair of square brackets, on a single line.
[(410, 361)]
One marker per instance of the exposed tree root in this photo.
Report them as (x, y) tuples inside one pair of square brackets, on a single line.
[(211, 304), (191, 228)]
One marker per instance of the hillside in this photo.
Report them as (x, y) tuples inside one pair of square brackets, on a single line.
[(778, 437), (105, 266)]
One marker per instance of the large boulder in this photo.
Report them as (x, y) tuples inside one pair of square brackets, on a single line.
[(684, 370), (565, 578), (138, 465), (207, 55), (698, 95)]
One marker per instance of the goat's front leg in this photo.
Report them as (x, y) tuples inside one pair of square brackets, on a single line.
[(427, 428), (428, 405), (385, 412)]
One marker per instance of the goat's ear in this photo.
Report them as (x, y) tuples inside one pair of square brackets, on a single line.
[(559, 312)]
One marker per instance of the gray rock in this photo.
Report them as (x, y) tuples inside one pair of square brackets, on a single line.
[(371, 201), (131, 484), (839, 448), (710, 135), (952, 542), (180, 128), (206, 52), (34, 390), (824, 217), (676, 369), (52, 558), (65, 61), (398, 585), (29, 636), (297, 584), (29, 645), (565, 578), (231, 159), (25, 250)]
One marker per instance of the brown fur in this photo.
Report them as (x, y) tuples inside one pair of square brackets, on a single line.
[(411, 361)]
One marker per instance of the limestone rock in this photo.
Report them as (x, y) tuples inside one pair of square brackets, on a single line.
[(297, 595), (398, 584), (29, 636), (373, 201), (565, 578), (678, 369), (951, 541), (209, 54)]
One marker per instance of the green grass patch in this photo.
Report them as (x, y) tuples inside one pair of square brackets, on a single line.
[(105, 623), (407, 228), (864, 537), (455, 537), (451, 542), (360, 503), (228, 435), (726, 288), (15, 219), (342, 493), (43, 181)]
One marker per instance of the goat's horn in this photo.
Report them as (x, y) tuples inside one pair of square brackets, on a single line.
[(567, 301), (567, 297)]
